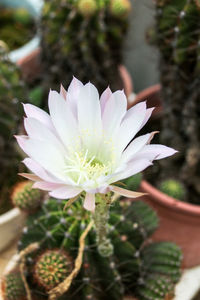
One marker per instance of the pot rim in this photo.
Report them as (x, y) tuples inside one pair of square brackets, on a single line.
[(167, 201), (9, 215)]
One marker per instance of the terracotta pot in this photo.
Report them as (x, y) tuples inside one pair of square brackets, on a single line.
[(31, 66), (179, 221)]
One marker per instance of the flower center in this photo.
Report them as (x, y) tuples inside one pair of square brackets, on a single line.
[(81, 167)]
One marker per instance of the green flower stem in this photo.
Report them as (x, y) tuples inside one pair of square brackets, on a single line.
[(101, 217)]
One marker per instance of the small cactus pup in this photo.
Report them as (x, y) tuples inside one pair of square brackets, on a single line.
[(86, 153), (51, 268), (12, 286), (173, 188), (12, 90), (178, 39), (25, 197), (90, 41), (131, 268)]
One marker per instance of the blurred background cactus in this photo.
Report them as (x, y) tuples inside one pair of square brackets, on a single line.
[(83, 38), (173, 188), (132, 269), (178, 39), (17, 26), (25, 197), (12, 91)]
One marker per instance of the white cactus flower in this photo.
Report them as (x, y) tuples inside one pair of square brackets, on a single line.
[(86, 143)]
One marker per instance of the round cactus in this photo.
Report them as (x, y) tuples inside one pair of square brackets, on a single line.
[(12, 287), (25, 197), (51, 268), (130, 224), (173, 188), (87, 7), (120, 8)]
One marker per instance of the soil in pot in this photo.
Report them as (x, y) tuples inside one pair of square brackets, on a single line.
[(17, 26)]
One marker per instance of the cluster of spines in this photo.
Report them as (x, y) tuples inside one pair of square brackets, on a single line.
[(130, 225), (89, 44), (25, 197), (51, 268)]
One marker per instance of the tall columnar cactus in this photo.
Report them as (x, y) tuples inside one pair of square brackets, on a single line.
[(132, 268), (83, 38), (178, 39), (12, 89)]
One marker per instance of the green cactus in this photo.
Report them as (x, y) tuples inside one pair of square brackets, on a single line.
[(25, 197), (132, 183), (16, 26), (89, 44), (173, 188), (12, 90), (178, 39), (126, 270), (51, 268), (12, 287)]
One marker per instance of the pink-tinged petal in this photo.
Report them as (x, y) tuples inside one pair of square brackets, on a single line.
[(89, 117), (131, 124), (47, 155), (156, 151), (46, 186), (37, 130), (65, 192), (63, 119), (21, 139), (36, 168), (114, 111), (104, 98), (147, 116), (32, 177), (63, 92), (131, 168), (72, 95), (136, 145), (35, 112), (89, 202), (126, 193)]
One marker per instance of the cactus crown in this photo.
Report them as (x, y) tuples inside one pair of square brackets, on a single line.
[(51, 268)]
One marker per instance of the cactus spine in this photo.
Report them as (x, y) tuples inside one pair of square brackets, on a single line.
[(51, 268), (178, 39), (89, 43), (126, 270)]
